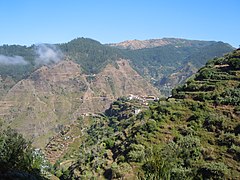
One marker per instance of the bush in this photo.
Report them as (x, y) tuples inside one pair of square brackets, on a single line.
[(150, 126), (176, 160), (65, 174), (16, 154), (109, 143), (58, 173), (181, 173), (157, 165), (230, 97), (235, 63), (213, 170), (213, 122), (136, 153), (189, 149), (119, 170), (228, 139), (236, 151), (121, 158)]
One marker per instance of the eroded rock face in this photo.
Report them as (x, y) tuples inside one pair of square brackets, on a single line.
[(57, 95)]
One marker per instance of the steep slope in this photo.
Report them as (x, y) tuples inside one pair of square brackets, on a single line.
[(90, 54), (122, 78), (58, 94), (194, 134), (161, 62), (155, 59)]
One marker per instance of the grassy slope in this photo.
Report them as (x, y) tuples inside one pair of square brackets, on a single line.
[(194, 134)]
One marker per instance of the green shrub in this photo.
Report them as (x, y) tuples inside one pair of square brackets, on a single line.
[(230, 97), (213, 170), (150, 126), (235, 63), (136, 153), (157, 165), (109, 143), (120, 170), (213, 122), (236, 151), (65, 174), (189, 149), (58, 173), (17, 155), (181, 173), (228, 139), (121, 158), (176, 160)]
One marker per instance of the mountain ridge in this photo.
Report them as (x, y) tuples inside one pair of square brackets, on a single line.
[(62, 103), (57, 95), (94, 56), (151, 43), (86, 77)]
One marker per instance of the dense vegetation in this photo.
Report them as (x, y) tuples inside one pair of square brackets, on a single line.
[(153, 63), (195, 134), (17, 71), (173, 56), (90, 54), (160, 63), (18, 160)]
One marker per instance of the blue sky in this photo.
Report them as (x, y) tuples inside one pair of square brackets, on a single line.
[(27, 22)]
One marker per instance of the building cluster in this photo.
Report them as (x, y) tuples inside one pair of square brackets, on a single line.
[(142, 98)]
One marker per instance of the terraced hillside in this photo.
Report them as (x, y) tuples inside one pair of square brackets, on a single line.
[(157, 60), (43, 87), (56, 95), (195, 134)]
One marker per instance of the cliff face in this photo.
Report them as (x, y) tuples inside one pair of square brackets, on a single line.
[(52, 96)]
